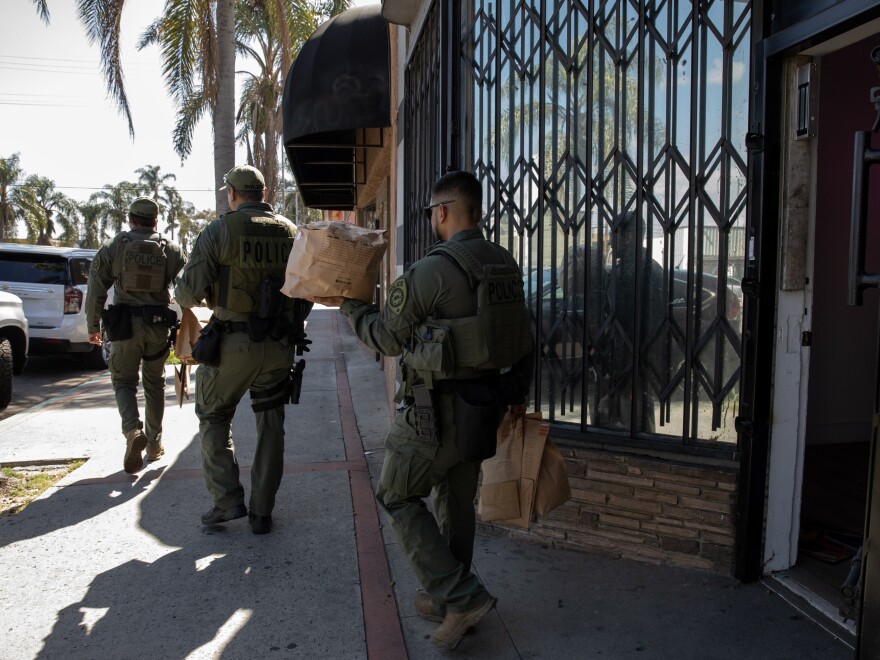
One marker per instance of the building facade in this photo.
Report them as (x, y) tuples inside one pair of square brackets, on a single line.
[(680, 181)]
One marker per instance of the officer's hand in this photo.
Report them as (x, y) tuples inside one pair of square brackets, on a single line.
[(95, 338), (516, 410), (327, 301)]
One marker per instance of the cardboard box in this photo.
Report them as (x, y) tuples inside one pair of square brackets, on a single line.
[(334, 260)]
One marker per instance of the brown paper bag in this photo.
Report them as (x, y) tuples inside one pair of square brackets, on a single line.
[(499, 490), (499, 501), (187, 336), (181, 383), (334, 260), (552, 489), (517, 460)]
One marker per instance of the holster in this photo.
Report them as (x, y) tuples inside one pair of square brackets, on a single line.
[(294, 380), (207, 348), (117, 322), (477, 414), (426, 415)]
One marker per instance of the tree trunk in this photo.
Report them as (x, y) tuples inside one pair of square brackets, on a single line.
[(224, 111), (271, 160), (5, 214)]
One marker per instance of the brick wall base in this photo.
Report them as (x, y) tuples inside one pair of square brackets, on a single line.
[(642, 508)]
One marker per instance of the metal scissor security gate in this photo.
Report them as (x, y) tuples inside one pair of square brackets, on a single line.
[(609, 137)]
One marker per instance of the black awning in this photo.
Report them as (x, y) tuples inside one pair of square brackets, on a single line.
[(336, 89)]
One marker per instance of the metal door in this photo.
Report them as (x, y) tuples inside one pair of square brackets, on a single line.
[(867, 592)]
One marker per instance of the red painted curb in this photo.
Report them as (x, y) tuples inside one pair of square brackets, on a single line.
[(381, 621)]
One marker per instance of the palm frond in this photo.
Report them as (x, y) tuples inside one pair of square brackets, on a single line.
[(152, 35), (180, 48), (102, 20), (188, 115), (42, 10)]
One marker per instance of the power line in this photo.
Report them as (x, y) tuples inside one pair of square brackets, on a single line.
[(91, 72), (50, 59), (74, 70), (49, 105), (63, 59), (36, 66), (53, 96), (25, 185)]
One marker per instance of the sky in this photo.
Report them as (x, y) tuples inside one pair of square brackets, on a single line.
[(55, 112)]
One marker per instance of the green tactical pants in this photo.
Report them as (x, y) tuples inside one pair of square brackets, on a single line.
[(439, 549), (126, 359), (244, 365)]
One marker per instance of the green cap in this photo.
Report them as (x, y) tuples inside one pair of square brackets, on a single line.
[(144, 207), (244, 177)]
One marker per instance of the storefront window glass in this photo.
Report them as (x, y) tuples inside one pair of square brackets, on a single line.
[(609, 137)]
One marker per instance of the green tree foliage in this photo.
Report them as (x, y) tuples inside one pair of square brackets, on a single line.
[(10, 174), (271, 34), (90, 214), (45, 210), (114, 201)]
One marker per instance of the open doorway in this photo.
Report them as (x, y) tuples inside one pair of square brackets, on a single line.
[(843, 352)]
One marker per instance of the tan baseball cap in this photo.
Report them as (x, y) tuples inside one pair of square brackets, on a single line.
[(244, 177), (144, 207)]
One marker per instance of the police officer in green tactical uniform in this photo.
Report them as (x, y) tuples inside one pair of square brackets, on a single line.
[(140, 265), (237, 265), (459, 320)]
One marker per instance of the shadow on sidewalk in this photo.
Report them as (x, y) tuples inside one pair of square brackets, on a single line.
[(183, 590), (76, 502)]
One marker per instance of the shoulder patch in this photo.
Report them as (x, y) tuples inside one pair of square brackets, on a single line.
[(397, 296)]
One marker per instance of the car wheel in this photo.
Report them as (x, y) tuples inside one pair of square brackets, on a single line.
[(99, 356), (5, 373)]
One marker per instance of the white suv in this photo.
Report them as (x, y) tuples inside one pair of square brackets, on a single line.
[(13, 344), (51, 282)]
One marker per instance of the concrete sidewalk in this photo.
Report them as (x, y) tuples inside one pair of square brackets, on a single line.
[(106, 565)]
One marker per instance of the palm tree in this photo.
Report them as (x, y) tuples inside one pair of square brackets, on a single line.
[(198, 52), (155, 184), (115, 201), (10, 174), (271, 33), (44, 209), (91, 212), (174, 208), (191, 223), (152, 182), (293, 206)]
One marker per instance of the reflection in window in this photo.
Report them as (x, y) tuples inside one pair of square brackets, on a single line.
[(609, 140)]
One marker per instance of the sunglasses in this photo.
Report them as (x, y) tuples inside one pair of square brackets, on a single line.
[(430, 208)]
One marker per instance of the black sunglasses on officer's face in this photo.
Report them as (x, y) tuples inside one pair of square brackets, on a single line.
[(430, 208)]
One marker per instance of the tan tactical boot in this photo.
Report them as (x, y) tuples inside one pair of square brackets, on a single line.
[(135, 442), (455, 624), (155, 450), (425, 608)]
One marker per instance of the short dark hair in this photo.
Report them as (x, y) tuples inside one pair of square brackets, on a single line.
[(141, 221), (464, 187), (249, 195)]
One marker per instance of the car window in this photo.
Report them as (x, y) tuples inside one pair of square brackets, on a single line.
[(79, 270), (33, 268)]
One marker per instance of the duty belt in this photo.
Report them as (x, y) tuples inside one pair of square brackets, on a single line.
[(448, 385), (147, 310), (232, 326)]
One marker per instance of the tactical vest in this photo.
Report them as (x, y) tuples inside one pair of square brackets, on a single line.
[(141, 263), (262, 245), (496, 336)]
